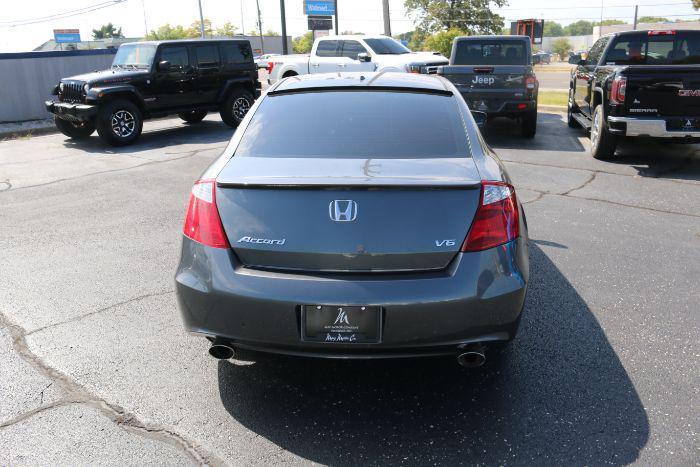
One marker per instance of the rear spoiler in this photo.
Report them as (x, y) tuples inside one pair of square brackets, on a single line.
[(368, 87)]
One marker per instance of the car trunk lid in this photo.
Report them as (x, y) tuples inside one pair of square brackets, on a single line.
[(347, 215), (666, 90)]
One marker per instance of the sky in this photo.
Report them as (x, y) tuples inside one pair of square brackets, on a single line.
[(133, 16)]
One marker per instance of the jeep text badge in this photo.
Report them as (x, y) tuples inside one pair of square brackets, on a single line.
[(342, 210)]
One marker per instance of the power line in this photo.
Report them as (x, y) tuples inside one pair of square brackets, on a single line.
[(65, 14)]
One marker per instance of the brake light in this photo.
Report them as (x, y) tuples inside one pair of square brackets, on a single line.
[(530, 82), (497, 220), (667, 32), (270, 66), (618, 89), (202, 221)]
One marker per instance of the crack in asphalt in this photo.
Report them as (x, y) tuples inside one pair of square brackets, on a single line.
[(100, 310), (583, 185), (122, 169), (77, 394), (658, 176)]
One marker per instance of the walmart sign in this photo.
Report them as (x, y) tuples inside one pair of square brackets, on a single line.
[(319, 7)]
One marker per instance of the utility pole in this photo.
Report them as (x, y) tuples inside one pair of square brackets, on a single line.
[(636, 10), (242, 26), (387, 20), (600, 25), (336, 18), (201, 19), (145, 25), (284, 29), (262, 42)]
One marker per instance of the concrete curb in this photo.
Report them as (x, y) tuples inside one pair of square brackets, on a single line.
[(23, 129), (552, 108)]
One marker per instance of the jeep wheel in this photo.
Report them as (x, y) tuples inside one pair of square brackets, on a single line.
[(119, 122), (603, 143), (236, 106), (194, 116), (74, 130), (529, 124)]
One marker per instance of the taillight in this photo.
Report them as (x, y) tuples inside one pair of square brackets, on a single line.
[(530, 82), (270, 66), (618, 89), (497, 220), (202, 221), (668, 32)]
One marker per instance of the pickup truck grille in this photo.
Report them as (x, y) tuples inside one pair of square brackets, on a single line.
[(431, 70), (72, 92)]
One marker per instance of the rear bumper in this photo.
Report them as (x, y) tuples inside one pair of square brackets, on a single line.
[(70, 111), (651, 127), (495, 107), (479, 298)]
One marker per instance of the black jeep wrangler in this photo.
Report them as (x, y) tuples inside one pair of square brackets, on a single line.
[(153, 79)]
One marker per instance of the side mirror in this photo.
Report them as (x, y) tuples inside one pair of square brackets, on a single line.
[(576, 59), (164, 66), (480, 118), (364, 57)]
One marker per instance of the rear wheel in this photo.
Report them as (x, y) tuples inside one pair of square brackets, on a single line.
[(603, 143), (529, 124), (74, 130), (119, 122), (570, 110), (194, 116), (236, 106)]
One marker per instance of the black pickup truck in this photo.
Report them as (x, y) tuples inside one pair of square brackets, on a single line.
[(494, 75), (637, 84), (153, 79)]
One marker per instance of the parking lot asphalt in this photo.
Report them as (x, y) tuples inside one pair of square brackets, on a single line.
[(95, 366)]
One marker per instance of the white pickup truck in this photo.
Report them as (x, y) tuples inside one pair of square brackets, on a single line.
[(333, 54)]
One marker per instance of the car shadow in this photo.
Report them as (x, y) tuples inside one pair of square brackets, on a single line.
[(660, 159), (159, 134), (561, 397), (552, 134)]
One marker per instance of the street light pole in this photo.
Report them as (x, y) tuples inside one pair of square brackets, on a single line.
[(201, 19), (284, 29), (336, 18), (262, 43)]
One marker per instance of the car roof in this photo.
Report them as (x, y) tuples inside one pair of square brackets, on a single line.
[(187, 41), (491, 38), (647, 31), (382, 79), (354, 37)]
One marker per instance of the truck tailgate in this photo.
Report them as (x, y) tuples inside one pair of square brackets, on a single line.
[(664, 90)]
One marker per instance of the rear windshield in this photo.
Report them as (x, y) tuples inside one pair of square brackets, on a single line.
[(491, 52), (660, 49), (356, 124)]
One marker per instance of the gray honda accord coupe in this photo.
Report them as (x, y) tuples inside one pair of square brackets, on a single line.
[(355, 216)]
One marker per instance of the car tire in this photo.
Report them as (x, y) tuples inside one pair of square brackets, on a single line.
[(74, 130), (236, 106), (119, 122), (570, 110), (194, 116), (528, 127), (603, 143)]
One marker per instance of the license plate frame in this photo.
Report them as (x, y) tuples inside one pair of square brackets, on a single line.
[(341, 324)]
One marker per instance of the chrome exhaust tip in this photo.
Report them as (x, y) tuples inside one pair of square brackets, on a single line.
[(221, 350), (471, 356)]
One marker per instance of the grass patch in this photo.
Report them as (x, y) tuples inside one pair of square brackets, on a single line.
[(559, 98)]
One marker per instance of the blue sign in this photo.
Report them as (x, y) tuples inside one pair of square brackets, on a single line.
[(65, 37), (319, 7)]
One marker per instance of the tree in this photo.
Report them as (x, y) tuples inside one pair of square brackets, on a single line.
[(167, 32), (227, 30), (653, 19), (470, 16), (562, 47), (609, 22), (107, 31), (553, 29), (442, 41), (696, 4), (302, 44), (579, 28), (195, 29), (417, 39), (272, 33)]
